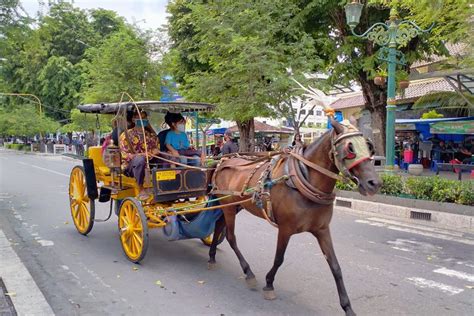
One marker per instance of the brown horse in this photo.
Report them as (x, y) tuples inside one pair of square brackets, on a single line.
[(292, 209)]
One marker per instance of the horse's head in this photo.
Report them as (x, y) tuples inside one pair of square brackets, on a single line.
[(352, 155)]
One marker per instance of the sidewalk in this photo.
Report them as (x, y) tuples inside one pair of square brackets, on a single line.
[(458, 217), (20, 288)]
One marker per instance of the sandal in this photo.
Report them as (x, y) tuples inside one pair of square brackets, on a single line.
[(143, 196)]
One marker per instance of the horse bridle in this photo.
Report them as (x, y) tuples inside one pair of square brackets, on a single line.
[(349, 154)]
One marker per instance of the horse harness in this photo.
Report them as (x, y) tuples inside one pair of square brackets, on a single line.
[(296, 171)]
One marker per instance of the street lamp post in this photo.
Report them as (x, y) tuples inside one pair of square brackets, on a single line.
[(389, 36)]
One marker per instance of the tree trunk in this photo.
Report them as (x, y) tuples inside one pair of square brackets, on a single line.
[(376, 102), (247, 135)]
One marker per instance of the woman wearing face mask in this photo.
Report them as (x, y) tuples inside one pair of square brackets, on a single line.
[(177, 141), (132, 148)]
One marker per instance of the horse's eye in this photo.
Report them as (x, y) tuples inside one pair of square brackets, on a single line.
[(349, 152), (371, 148)]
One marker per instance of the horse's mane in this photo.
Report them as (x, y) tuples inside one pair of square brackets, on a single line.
[(317, 143)]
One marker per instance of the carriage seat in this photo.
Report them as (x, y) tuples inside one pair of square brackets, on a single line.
[(162, 137), (95, 153)]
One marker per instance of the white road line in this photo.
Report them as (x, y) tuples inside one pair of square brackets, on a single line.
[(423, 283), (28, 299), (41, 168), (419, 232), (457, 274), (430, 229), (434, 235)]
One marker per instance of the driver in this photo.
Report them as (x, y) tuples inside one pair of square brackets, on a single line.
[(132, 148)]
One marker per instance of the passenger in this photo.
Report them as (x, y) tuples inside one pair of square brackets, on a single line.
[(177, 142), (132, 148), (229, 145)]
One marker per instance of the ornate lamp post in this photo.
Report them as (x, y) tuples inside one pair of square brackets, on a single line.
[(389, 36)]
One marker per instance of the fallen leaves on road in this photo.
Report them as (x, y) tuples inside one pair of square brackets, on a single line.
[(135, 269), (158, 282), (66, 223)]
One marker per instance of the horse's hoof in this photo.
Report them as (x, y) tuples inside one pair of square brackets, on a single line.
[(251, 283), (269, 295), (350, 313), (211, 266)]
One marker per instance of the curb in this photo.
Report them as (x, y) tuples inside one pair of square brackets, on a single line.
[(456, 221), (24, 293)]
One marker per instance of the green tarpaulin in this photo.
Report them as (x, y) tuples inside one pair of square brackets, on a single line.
[(454, 127)]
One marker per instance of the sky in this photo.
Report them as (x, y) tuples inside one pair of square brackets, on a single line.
[(146, 13)]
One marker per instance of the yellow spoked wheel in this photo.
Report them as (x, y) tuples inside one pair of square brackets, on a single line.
[(208, 240), (133, 229), (82, 207)]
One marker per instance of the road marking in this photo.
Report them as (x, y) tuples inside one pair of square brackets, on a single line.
[(45, 243), (457, 274), (423, 283), (28, 299), (41, 168), (434, 235), (419, 231), (430, 229)]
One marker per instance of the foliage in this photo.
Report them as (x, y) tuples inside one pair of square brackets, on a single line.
[(25, 121), (81, 122), (60, 83), (121, 64), (431, 115), (238, 56), (346, 186), (18, 146), (425, 188), (448, 100), (392, 184)]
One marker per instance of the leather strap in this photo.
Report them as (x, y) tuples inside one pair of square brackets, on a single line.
[(316, 167)]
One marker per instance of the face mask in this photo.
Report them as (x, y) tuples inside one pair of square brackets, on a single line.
[(181, 127), (141, 123)]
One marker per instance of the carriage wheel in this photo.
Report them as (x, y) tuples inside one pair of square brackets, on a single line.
[(133, 229), (208, 240), (82, 207)]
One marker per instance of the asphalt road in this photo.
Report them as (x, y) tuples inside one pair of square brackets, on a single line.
[(390, 267)]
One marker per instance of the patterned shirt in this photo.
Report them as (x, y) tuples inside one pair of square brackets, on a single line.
[(135, 140)]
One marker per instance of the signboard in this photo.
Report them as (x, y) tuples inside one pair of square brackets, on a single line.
[(453, 127), (405, 127)]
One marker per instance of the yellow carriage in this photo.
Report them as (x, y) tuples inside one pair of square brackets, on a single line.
[(179, 192)]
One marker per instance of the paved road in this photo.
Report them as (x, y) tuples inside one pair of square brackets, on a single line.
[(390, 267)]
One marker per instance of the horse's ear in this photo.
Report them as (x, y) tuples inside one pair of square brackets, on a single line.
[(338, 127)]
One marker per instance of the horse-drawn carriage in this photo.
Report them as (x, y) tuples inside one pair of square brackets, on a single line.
[(177, 190), (293, 190)]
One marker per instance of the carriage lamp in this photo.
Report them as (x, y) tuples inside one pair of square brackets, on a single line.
[(389, 36), (353, 13)]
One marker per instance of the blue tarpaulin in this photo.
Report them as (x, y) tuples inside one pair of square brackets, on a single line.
[(199, 227)]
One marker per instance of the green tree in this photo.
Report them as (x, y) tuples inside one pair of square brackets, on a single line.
[(121, 64), (25, 121), (60, 83), (350, 58), (81, 122), (66, 29), (236, 55)]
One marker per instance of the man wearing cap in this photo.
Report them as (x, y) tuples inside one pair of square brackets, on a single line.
[(229, 146)]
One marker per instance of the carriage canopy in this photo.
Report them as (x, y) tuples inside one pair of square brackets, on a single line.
[(154, 106)]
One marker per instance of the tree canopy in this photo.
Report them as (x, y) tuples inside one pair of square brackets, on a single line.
[(69, 56)]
